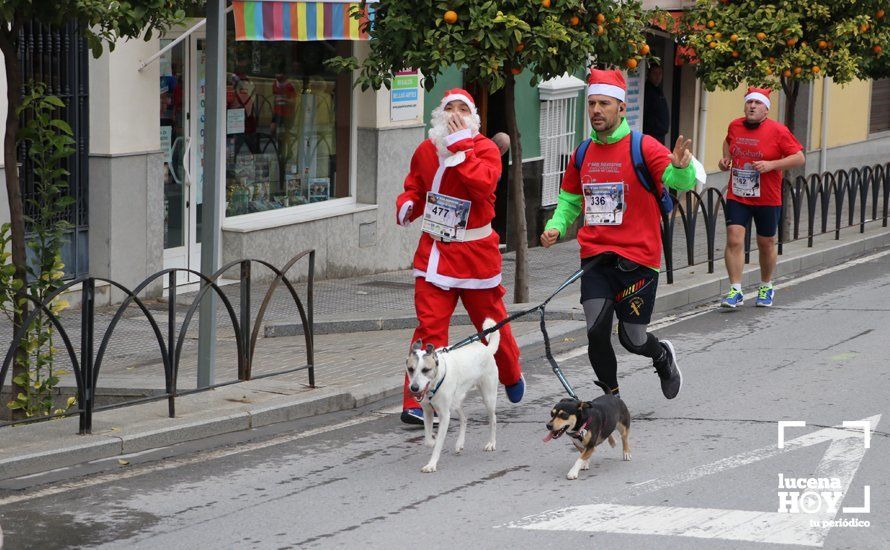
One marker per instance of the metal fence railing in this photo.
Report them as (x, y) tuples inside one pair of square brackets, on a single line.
[(87, 365), (858, 192)]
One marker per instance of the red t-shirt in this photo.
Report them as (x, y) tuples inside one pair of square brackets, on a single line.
[(638, 237), (771, 140)]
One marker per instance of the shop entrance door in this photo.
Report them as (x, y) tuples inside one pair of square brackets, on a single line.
[(182, 100)]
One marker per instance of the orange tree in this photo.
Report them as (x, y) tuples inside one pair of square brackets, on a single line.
[(787, 42), (493, 41)]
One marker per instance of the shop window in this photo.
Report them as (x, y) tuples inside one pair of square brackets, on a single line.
[(287, 125), (879, 121)]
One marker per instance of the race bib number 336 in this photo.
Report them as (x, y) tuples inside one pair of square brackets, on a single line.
[(603, 203)]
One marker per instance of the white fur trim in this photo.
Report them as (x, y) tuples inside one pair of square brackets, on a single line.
[(460, 135), (607, 89), (445, 283), (453, 160), (437, 179), (403, 212), (458, 97), (759, 97)]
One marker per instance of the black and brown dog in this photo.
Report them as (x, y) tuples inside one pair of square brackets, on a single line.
[(589, 423)]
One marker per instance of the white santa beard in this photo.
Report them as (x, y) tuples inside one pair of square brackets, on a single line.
[(439, 129)]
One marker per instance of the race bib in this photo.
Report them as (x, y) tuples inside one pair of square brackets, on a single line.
[(603, 203), (445, 217), (745, 183)]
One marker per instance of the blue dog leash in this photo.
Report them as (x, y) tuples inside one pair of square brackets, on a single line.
[(540, 307)]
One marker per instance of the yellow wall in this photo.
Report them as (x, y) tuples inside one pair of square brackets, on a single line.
[(845, 125), (723, 108)]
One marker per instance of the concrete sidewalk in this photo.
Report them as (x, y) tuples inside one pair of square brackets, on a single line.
[(358, 361)]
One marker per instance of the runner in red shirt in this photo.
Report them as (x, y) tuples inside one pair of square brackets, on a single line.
[(755, 152), (621, 235)]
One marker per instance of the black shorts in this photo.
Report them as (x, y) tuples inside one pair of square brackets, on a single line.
[(630, 285), (766, 218)]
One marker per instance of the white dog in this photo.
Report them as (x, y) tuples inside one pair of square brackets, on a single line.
[(440, 380)]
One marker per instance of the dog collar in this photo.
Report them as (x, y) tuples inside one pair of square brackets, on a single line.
[(580, 433), (433, 391)]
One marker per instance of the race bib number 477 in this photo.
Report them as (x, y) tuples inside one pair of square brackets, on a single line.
[(445, 217)]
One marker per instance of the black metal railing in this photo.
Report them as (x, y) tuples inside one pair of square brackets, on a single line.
[(869, 186), (87, 366)]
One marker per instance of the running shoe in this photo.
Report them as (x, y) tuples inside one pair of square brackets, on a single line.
[(764, 297), (733, 299), (669, 372)]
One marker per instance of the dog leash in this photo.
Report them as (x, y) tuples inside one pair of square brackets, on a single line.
[(540, 307)]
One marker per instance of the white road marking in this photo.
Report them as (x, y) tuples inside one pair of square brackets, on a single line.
[(669, 320), (194, 459), (841, 460)]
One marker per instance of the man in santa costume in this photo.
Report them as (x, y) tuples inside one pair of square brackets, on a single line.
[(450, 189), (755, 152), (621, 237)]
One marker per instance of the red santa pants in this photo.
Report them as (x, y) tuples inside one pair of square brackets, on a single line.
[(434, 307)]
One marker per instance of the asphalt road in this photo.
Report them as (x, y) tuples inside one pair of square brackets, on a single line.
[(705, 474)]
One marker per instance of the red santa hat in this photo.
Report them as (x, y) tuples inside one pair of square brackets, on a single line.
[(760, 94), (457, 94), (610, 83)]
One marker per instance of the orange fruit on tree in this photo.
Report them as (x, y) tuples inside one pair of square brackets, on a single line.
[(816, 69), (879, 14), (574, 20), (709, 37), (822, 44), (600, 30), (600, 18), (734, 38), (863, 27), (797, 70), (761, 36), (735, 53), (645, 49), (617, 20), (772, 59), (877, 49), (545, 3), (516, 70), (711, 24), (791, 41), (631, 63), (718, 35), (520, 47), (769, 71), (787, 73), (713, 45), (450, 17)]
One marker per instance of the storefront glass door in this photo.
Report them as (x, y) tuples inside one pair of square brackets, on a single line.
[(182, 98)]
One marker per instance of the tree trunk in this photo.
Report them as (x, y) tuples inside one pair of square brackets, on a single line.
[(13, 188), (517, 193)]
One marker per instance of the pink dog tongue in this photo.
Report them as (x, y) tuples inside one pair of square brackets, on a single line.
[(549, 437)]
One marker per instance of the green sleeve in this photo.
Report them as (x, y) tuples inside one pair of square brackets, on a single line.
[(568, 206), (681, 179)]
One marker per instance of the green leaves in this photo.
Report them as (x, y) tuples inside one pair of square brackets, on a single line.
[(787, 41), (490, 39)]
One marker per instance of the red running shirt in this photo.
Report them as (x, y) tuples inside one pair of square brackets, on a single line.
[(771, 140)]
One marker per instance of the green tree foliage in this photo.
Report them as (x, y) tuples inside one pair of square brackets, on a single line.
[(493, 41), (787, 42)]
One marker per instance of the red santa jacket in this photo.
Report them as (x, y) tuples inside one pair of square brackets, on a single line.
[(471, 264)]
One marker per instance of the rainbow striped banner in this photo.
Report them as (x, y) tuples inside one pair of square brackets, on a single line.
[(299, 20)]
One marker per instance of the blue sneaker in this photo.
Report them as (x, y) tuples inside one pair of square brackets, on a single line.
[(516, 391), (733, 299), (764, 297), (413, 416)]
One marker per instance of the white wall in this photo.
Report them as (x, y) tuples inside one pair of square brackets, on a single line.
[(124, 109)]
